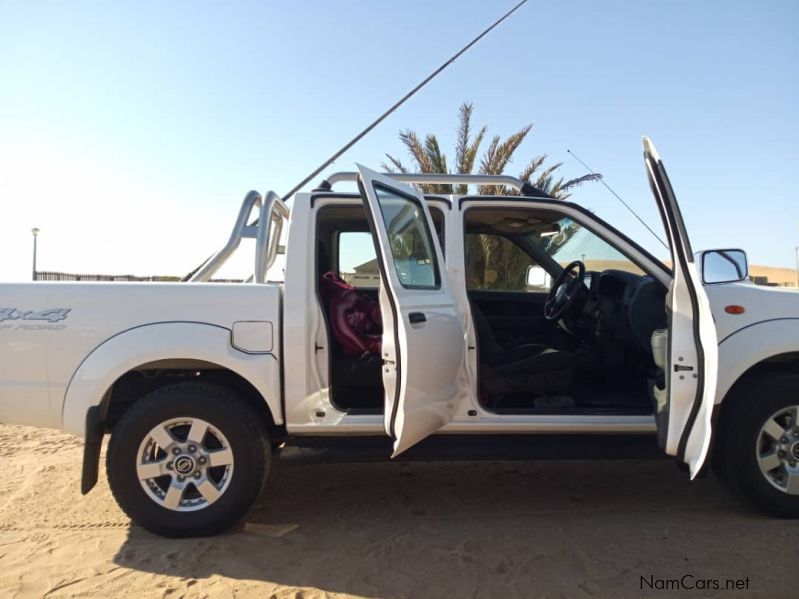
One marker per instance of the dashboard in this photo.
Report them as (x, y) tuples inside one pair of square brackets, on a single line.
[(626, 306)]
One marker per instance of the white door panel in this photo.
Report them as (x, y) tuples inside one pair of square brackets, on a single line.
[(430, 355), (684, 407), (424, 344)]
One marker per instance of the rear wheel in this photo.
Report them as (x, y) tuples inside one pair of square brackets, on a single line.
[(759, 445), (188, 460)]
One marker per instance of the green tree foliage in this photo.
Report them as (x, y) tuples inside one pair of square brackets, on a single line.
[(492, 261)]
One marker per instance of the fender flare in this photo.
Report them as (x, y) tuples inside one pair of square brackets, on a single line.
[(131, 348), (749, 346)]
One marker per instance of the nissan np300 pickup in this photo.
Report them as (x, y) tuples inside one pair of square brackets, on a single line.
[(392, 313)]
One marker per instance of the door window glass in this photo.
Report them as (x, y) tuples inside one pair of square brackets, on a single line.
[(521, 249), (410, 239), (495, 263), (357, 262)]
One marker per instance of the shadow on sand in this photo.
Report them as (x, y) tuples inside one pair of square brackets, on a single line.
[(474, 529)]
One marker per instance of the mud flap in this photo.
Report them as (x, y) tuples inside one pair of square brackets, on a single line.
[(91, 449)]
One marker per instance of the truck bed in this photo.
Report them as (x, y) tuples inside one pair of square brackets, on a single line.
[(48, 330)]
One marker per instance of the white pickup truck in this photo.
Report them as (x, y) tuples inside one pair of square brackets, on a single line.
[(514, 314)]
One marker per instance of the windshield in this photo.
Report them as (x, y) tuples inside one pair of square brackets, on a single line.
[(567, 241)]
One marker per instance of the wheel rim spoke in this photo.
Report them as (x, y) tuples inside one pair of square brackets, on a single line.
[(794, 413), (222, 457), (173, 495), (197, 431), (773, 430), (151, 469), (162, 437), (793, 483), (776, 450), (769, 461), (208, 490)]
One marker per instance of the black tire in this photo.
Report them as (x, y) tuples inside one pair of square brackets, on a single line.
[(735, 456), (225, 411)]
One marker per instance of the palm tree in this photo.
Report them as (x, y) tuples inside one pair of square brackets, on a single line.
[(493, 262), (429, 158)]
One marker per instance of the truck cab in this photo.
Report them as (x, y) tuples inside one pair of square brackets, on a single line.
[(407, 306), (468, 345)]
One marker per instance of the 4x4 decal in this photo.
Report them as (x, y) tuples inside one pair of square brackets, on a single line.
[(49, 315)]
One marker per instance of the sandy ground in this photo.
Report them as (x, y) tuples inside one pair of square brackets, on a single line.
[(444, 529)]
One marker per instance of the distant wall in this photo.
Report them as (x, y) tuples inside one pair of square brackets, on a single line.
[(761, 275), (66, 276)]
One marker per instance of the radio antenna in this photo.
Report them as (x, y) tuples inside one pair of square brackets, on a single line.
[(399, 103), (618, 197)]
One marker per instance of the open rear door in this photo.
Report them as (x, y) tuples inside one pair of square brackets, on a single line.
[(688, 352), (423, 337)]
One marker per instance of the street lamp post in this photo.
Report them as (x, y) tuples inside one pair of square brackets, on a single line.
[(797, 266), (35, 232)]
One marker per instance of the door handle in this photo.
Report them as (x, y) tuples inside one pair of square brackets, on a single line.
[(417, 317)]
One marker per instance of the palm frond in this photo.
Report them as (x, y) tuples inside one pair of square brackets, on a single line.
[(464, 132), (395, 167), (416, 150), (486, 165), (497, 157), (466, 150), (506, 149), (532, 167), (470, 157), (437, 160), (580, 180)]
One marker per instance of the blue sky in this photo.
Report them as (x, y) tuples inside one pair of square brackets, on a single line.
[(130, 132)]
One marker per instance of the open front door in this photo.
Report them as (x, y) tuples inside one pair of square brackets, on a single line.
[(423, 338), (688, 353)]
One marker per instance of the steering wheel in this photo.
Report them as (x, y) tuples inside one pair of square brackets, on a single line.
[(565, 290)]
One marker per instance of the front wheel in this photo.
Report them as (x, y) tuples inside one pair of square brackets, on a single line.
[(759, 444), (188, 460)]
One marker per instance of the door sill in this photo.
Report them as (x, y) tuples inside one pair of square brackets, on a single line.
[(322, 449)]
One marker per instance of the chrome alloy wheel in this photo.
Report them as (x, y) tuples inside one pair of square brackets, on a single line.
[(778, 450), (184, 464)]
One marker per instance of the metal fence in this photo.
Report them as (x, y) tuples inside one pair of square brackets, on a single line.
[(66, 276)]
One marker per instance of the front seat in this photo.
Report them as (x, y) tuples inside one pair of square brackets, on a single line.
[(524, 369)]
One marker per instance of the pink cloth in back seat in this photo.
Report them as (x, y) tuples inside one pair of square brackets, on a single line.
[(354, 317)]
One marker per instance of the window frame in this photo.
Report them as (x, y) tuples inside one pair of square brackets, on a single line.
[(438, 214), (432, 239), (585, 219)]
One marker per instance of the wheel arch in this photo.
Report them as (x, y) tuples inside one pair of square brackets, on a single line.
[(746, 355), (176, 347), (151, 376), (753, 349), (783, 362)]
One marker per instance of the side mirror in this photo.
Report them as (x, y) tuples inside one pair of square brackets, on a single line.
[(538, 278), (724, 266)]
